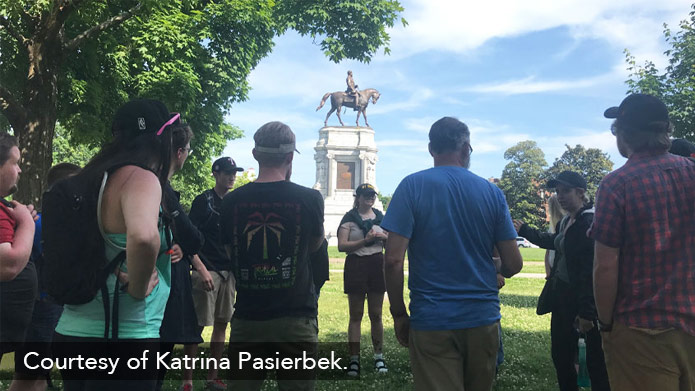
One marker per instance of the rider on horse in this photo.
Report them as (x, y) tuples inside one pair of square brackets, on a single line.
[(352, 89)]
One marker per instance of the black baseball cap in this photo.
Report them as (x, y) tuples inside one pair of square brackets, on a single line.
[(225, 164), (365, 188), (568, 178), (638, 110), (140, 116), (682, 147)]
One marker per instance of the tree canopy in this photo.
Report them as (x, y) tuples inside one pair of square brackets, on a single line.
[(675, 86), (521, 183), (593, 164), (75, 61)]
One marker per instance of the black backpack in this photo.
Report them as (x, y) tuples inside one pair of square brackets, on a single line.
[(75, 263)]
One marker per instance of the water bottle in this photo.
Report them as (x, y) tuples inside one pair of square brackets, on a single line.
[(583, 373)]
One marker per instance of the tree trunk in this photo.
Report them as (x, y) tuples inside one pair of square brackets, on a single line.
[(36, 136)]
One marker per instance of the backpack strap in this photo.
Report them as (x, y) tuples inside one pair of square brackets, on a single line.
[(116, 262)]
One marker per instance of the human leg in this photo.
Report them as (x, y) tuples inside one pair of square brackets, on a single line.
[(375, 303), (224, 304), (641, 359), (564, 339), (595, 361), (435, 360), (479, 346)]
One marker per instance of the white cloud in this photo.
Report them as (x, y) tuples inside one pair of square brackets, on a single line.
[(530, 85), (460, 26)]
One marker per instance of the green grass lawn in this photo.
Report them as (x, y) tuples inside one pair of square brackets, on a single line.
[(527, 363)]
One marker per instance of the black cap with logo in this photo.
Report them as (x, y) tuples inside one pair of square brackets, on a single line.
[(225, 164)]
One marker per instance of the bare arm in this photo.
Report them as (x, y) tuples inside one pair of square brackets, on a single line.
[(14, 256), (346, 246), (547, 263), (140, 198), (510, 258), (605, 280), (396, 246)]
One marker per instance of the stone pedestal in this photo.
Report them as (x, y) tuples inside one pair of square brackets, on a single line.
[(345, 157)]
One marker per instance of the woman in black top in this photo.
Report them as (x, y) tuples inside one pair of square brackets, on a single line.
[(573, 308)]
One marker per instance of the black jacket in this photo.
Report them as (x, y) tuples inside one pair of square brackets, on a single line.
[(579, 255), (186, 234)]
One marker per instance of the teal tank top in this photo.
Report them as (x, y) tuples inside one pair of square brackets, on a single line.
[(138, 318)]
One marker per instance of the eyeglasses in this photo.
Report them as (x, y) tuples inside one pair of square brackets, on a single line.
[(188, 150), (171, 121), (470, 149), (614, 129)]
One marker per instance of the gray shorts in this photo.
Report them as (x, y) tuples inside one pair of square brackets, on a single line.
[(217, 305)]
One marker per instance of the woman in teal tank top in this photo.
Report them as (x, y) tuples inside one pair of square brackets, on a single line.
[(131, 171)]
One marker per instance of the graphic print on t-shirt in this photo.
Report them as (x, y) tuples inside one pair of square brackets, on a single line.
[(266, 244)]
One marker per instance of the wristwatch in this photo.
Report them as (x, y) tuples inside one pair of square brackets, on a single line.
[(604, 327)]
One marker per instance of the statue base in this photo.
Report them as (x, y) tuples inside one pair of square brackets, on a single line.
[(345, 157)]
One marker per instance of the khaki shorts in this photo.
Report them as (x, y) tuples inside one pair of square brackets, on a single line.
[(217, 305), (464, 359), (646, 360)]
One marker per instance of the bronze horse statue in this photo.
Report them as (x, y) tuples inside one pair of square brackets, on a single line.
[(341, 98)]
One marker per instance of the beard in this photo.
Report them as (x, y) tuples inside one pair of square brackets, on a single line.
[(13, 189)]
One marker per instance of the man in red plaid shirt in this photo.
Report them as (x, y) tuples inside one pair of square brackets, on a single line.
[(644, 267)]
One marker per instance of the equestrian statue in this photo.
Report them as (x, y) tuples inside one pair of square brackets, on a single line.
[(352, 98)]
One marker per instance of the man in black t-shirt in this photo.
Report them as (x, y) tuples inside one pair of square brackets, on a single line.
[(212, 279), (271, 227)]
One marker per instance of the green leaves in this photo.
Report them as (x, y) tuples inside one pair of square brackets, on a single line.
[(675, 86), (195, 55), (522, 184), (593, 164), (524, 178)]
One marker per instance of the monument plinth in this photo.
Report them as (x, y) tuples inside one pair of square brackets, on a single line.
[(345, 157)]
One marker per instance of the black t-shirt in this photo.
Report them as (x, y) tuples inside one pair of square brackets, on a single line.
[(205, 215), (270, 227)]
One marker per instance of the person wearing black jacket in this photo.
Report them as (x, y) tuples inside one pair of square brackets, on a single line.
[(180, 323), (573, 307)]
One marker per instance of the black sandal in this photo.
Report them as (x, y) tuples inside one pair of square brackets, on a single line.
[(380, 365), (353, 368)]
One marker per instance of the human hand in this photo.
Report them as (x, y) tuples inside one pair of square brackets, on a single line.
[(154, 280), (401, 325), (369, 238), (176, 253), (584, 325), (517, 224), (208, 284), (34, 213), (500, 281), (22, 213)]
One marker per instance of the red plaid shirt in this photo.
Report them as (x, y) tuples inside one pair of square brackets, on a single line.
[(647, 209)]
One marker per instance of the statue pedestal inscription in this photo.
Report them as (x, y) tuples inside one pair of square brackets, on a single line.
[(345, 157)]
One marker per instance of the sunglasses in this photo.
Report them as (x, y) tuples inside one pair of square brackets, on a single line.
[(171, 121)]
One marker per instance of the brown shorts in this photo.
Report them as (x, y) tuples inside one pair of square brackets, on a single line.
[(364, 274)]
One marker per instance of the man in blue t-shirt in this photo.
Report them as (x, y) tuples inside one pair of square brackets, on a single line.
[(449, 220)]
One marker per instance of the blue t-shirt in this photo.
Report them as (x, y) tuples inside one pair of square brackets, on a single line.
[(453, 219)]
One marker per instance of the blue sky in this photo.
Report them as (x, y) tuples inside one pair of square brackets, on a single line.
[(542, 70)]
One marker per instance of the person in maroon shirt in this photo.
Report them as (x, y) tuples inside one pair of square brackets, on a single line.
[(644, 266), (18, 283)]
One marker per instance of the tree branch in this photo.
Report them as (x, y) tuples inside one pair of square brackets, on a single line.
[(9, 107), (4, 22), (114, 21)]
